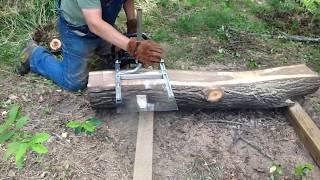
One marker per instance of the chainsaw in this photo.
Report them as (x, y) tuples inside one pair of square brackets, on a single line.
[(128, 68)]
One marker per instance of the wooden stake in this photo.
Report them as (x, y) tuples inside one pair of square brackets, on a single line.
[(144, 147), (306, 129)]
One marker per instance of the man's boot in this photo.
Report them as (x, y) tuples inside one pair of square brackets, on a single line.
[(24, 67)]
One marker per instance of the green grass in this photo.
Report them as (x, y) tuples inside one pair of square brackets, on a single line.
[(189, 17), (213, 19), (277, 6), (313, 57), (176, 23), (162, 35), (17, 21)]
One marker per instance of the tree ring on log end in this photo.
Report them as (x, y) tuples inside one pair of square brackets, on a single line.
[(55, 44), (215, 94)]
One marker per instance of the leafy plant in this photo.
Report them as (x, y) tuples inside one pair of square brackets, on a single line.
[(311, 5), (88, 126), (252, 64), (301, 171), (12, 124), (276, 171), (20, 148), (20, 142)]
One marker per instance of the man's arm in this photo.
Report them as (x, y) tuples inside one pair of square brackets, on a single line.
[(131, 16), (148, 52), (104, 30), (129, 9)]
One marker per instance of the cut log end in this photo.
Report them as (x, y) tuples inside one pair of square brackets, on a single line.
[(215, 95), (55, 44)]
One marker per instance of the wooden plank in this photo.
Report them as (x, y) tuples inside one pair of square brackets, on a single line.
[(306, 129), (144, 147), (268, 88)]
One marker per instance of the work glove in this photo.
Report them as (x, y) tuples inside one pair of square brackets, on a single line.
[(131, 26), (147, 51)]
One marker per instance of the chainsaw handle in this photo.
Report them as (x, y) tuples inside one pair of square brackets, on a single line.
[(135, 35), (131, 71)]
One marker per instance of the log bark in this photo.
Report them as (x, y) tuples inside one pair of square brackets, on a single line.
[(269, 88)]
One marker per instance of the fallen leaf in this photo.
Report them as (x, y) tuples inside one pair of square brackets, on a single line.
[(64, 135), (273, 169), (4, 113), (25, 99), (40, 99), (13, 97), (44, 174), (12, 173), (8, 102)]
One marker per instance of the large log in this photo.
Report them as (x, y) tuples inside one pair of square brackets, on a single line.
[(269, 88)]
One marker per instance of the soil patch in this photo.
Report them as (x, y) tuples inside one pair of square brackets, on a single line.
[(187, 144)]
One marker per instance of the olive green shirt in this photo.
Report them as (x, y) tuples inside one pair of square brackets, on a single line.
[(72, 10)]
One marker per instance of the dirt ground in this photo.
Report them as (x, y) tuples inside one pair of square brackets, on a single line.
[(312, 106), (188, 144), (197, 144)]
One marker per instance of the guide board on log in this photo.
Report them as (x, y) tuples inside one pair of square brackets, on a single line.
[(268, 88)]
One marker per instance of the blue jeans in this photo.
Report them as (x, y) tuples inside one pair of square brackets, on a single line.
[(71, 72)]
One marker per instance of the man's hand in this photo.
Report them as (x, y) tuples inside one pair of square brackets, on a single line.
[(131, 26), (147, 51)]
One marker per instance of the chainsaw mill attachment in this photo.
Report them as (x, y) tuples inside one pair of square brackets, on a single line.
[(156, 93)]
